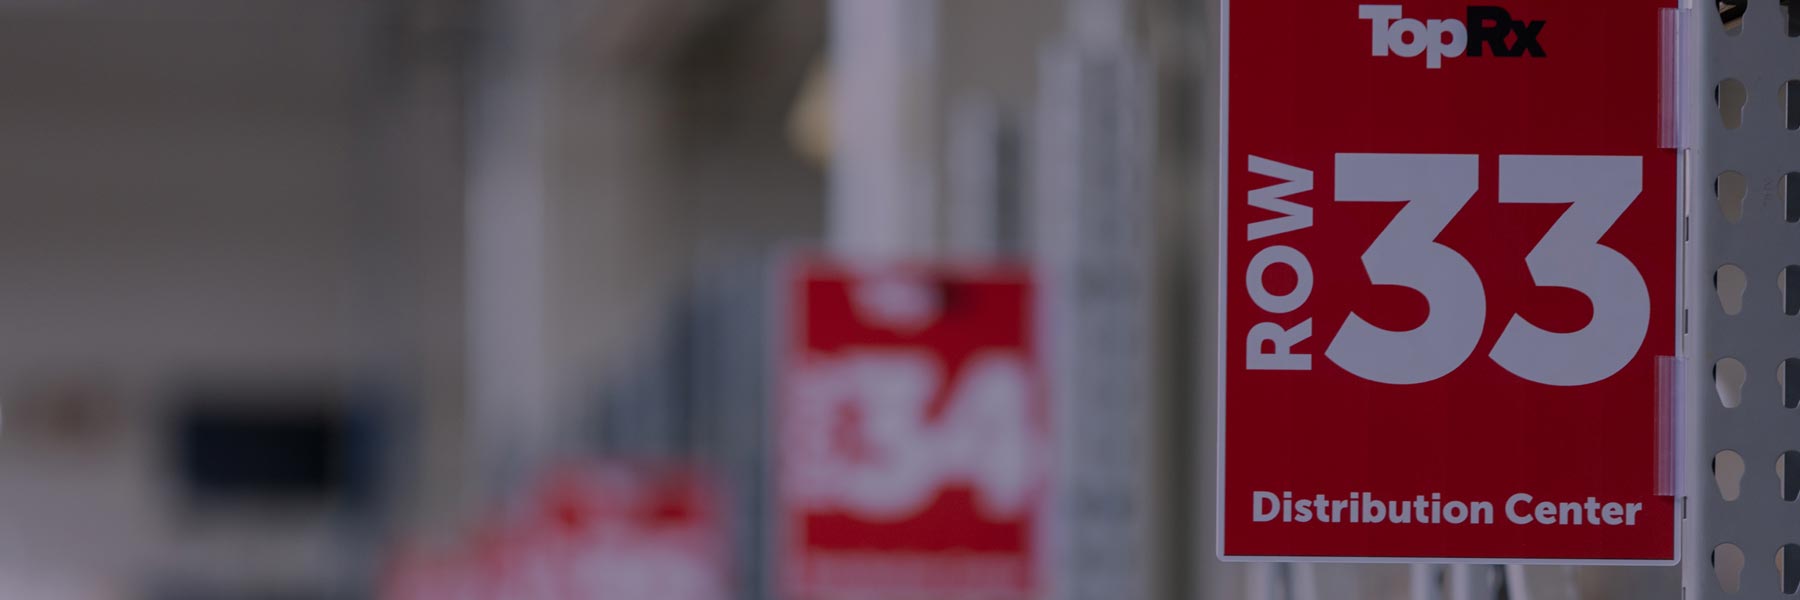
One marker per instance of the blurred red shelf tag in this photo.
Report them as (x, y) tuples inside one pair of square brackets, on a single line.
[(1449, 250), (914, 433), (603, 530)]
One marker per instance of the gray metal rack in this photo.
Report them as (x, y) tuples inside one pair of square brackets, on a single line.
[(1743, 239)]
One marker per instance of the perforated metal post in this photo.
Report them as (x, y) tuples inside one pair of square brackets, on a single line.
[(1738, 518)]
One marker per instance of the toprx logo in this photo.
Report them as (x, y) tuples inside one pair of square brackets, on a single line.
[(1489, 29)]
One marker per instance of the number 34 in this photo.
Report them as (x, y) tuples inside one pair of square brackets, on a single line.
[(1435, 187)]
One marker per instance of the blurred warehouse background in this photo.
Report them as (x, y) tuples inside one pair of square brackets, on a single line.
[(290, 288)]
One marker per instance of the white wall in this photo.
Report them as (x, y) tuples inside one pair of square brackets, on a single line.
[(176, 199)]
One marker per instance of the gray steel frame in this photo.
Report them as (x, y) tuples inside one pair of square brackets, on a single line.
[(1761, 56)]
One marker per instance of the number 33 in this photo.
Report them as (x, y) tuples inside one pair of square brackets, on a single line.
[(1435, 187)]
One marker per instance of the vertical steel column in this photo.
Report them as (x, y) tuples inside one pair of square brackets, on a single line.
[(1093, 225), (883, 188), (511, 415), (1740, 54)]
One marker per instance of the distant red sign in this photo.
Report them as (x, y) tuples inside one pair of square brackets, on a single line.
[(914, 433), (602, 532), (1448, 260)]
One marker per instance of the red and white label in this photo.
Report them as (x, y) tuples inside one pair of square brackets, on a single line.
[(607, 531), (914, 433), (1448, 259)]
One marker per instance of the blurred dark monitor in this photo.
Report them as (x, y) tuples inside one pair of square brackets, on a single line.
[(250, 442)]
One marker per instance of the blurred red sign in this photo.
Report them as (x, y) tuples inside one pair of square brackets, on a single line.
[(914, 433), (592, 532), (1449, 242)]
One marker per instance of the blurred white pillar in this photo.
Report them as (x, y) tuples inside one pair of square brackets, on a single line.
[(1303, 582), (510, 412), (1093, 225), (975, 141), (1462, 582), (1517, 586), (1099, 22), (1425, 582), (883, 191), (1260, 581)]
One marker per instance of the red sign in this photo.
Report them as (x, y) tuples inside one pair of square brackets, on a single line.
[(603, 532), (1449, 243), (914, 433)]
